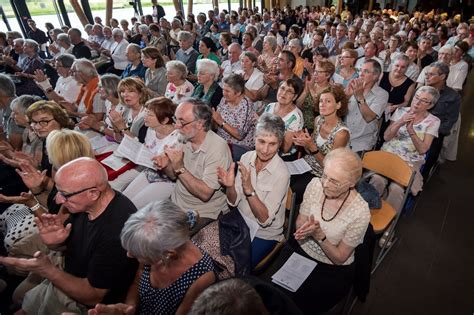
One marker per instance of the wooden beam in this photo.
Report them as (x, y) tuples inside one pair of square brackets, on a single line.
[(190, 6), (176, 4), (78, 10), (108, 11), (371, 5)]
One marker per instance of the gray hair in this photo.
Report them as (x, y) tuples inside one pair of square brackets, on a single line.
[(201, 111), (272, 41), (252, 29), (7, 87), (23, 102), (295, 42), (178, 66), (117, 31), (32, 43), (143, 28), (153, 230), (88, 27), (375, 65), (271, 123), (64, 38), (208, 65), (348, 161), (57, 31), (236, 82), (110, 83), (19, 40), (402, 57), (136, 48), (85, 67), (185, 35), (231, 296), (66, 60), (442, 67), (447, 49), (430, 90)]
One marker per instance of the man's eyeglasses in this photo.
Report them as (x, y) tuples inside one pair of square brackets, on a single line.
[(66, 196), (181, 123), (42, 123)]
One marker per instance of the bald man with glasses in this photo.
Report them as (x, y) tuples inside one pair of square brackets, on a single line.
[(96, 267)]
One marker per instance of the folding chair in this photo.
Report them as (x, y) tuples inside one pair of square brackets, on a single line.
[(290, 220), (394, 168)]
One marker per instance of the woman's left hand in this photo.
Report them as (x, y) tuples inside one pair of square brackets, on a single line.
[(117, 120), (245, 178), (216, 116), (310, 228)]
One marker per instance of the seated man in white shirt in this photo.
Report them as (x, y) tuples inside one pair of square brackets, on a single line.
[(366, 105), (232, 65), (194, 166), (117, 52), (67, 88)]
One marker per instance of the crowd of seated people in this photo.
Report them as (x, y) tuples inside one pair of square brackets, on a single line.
[(212, 106)]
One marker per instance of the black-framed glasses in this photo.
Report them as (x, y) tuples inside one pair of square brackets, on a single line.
[(181, 123), (42, 123), (66, 196)]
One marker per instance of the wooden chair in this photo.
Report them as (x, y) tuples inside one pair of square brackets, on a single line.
[(290, 220), (397, 170)]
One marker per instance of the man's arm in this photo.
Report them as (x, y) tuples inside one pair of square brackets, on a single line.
[(196, 187), (78, 289)]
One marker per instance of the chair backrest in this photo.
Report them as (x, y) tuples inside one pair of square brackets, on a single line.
[(291, 211), (389, 165)]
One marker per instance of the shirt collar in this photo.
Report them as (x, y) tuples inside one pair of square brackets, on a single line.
[(188, 51), (271, 167)]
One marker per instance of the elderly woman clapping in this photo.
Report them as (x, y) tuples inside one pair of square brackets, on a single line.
[(260, 186), (173, 271), (332, 222), (409, 135), (178, 87), (207, 89)]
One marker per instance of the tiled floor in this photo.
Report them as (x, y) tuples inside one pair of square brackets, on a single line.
[(431, 269)]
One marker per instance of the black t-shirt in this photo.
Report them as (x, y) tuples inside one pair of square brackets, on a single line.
[(80, 50), (94, 250)]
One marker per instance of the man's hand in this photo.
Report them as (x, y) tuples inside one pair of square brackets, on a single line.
[(39, 264), (175, 157), (51, 229)]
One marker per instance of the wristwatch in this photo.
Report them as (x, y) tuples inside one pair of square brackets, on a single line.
[(250, 194), (223, 123), (180, 171), (101, 129)]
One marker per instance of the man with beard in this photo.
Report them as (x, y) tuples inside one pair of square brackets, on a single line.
[(194, 166)]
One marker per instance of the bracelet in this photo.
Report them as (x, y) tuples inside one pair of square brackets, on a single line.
[(35, 207), (314, 152), (322, 240)]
